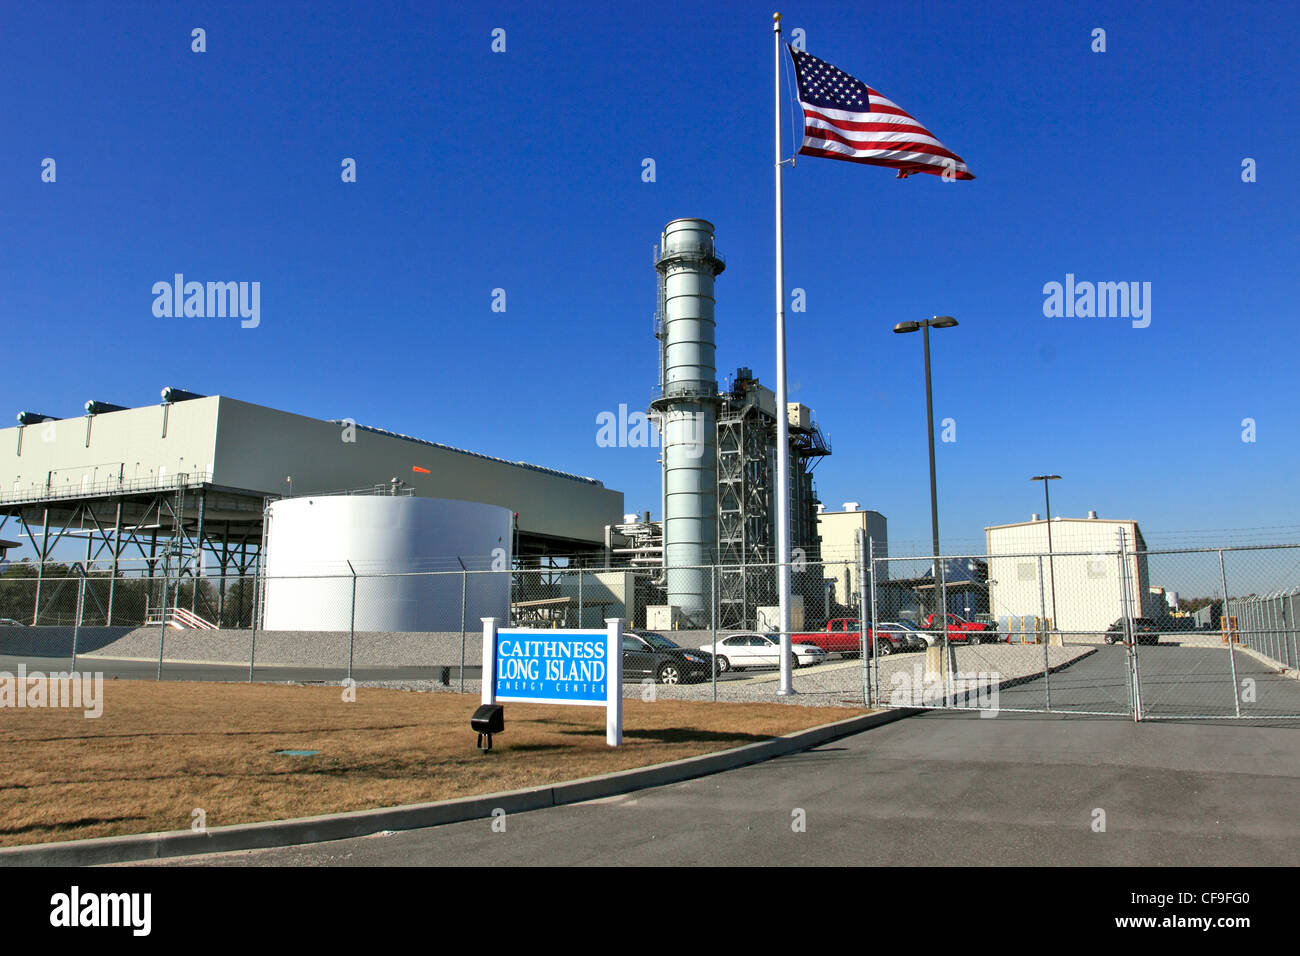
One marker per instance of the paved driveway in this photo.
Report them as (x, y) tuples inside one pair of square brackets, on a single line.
[(939, 788), (1178, 681)]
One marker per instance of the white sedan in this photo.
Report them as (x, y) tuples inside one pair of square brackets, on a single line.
[(759, 650)]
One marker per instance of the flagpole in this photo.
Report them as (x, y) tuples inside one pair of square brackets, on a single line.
[(782, 413)]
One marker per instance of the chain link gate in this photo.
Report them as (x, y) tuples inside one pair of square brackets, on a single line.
[(1087, 633)]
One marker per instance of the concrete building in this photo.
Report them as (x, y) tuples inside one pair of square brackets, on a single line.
[(1093, 587), (839, 548)]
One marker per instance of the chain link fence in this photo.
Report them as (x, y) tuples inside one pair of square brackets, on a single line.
[(1092, 633), (1069, 632)]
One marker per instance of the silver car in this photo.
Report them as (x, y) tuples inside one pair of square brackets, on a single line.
[(739, 651)]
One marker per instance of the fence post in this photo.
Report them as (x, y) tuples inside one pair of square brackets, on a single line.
[(1275, 603), (464, 590), (1042, 613), (580, 576), (1130, 632), (352, 620), (1266, 622), (949, 655), (252, 645), (1293, 653), (1232, 658), (76, 627), (861, 535), (713, 623), (162, 618)]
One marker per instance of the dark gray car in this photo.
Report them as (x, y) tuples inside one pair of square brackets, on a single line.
[(647, 654)]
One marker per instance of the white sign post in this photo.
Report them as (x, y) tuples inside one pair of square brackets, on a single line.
[(580, 667)]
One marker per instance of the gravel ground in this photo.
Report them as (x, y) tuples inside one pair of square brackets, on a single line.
[(836, 684), (300, 648)]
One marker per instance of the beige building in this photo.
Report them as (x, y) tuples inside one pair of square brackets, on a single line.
[(1082, 584), (200, 468), (839, 547)]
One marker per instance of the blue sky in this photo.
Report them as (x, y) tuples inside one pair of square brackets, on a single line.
[(522, 171)]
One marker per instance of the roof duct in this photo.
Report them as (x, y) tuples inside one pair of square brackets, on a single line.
[(34, 418), (98, 408)]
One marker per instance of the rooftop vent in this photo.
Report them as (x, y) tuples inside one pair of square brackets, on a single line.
[(34, 418), (98, 408)]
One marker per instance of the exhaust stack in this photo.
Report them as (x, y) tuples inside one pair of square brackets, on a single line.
[(686, 411)]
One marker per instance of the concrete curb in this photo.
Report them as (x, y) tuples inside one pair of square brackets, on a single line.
[(1273, 662), (342, 826)]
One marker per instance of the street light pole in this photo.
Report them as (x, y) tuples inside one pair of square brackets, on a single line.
[(1051, 567), (938, 322)]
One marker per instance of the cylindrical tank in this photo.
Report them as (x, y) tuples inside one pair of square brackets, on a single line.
[(687, 412), (387, 539)]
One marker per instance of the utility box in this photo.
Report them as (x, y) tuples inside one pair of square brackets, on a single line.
[(662, 617), (799, 415), (769, 618)]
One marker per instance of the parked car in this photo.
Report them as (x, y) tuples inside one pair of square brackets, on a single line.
[(647, 654), (909, 636), (962, 631), (760, 650), (1144, 629), (9, 622), (844, 635)]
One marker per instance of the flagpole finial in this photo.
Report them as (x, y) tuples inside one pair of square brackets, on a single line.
[(776, 22)]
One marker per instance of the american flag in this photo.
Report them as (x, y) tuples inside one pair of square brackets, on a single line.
[(846, 119)]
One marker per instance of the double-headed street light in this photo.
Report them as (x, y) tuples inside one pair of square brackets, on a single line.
[(1051, 569), (938, 322)]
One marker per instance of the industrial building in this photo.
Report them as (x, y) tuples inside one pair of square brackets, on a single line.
[(184, 486), (213, 487), (839, 548), (1079, 582)]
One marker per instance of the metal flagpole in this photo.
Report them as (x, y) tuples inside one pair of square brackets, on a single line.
[(782, 413)]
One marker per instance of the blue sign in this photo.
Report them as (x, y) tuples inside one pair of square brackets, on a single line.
[(553, 666)]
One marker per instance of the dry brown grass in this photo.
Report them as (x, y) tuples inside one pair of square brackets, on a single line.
[(160, 750)]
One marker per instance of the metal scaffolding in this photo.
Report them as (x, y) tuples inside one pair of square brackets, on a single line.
[(746, 503), (180, 526)]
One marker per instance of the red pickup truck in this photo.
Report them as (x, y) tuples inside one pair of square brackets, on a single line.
[(961, 630), (844, 635)]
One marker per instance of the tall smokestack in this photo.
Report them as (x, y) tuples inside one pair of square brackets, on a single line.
[(686, 411)]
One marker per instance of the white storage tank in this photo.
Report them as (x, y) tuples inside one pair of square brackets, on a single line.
[(388, 539)]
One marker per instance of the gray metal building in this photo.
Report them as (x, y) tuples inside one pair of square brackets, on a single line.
[(187, 481)]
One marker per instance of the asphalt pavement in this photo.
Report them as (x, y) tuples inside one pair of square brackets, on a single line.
[(1176, 682), (938, 788)]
